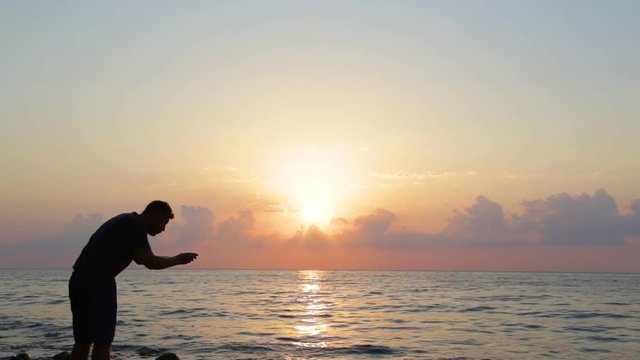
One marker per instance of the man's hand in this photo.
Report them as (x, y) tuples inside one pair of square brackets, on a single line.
[(186, 258), (146, 257)]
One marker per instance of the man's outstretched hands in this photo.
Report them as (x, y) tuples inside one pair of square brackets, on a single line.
[(185, 258)]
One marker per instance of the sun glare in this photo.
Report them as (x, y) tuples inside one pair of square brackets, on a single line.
[(315, 204), (315, 182)]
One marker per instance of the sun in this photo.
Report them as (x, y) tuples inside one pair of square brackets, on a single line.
[(315, 203), (315, 183)]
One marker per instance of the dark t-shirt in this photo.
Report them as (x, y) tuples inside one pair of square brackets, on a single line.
[(111, 248)]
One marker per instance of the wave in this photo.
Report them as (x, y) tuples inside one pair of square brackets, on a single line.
[(364, 349), (478, 308), (574, 315)]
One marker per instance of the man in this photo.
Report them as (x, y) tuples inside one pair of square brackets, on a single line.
[(92, 287)]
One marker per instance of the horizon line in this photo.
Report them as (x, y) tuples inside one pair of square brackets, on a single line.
[(349, 270)]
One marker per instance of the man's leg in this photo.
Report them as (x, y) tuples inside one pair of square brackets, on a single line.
[(101, 351), (105, 321), (80, 313), (80, 351)]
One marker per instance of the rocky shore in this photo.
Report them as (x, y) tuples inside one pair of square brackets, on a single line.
[(66, 356)]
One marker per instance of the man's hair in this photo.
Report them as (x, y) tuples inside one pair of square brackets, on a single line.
[(159, 207)]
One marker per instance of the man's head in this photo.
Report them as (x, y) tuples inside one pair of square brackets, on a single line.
[(156, 216)]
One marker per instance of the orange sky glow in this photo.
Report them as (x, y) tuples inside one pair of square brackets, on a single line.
[(395, 135)]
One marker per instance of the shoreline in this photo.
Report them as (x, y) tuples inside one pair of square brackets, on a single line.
[(67, 356)]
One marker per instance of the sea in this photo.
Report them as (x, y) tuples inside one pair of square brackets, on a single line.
[(269, 314)]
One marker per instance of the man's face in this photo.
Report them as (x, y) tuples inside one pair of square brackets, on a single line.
[(158, 224)]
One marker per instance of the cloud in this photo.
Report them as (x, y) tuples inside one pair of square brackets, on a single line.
[(485, 223), (236, 229), (339, 221), (311, 237), (198, 226), (581, 220), (419, 177), (60, 249), (560, 219), (78, 230), (398, 176), (199, 229), (632, 223), (376, 223), (374, 230)]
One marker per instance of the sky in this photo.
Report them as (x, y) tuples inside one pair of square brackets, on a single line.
[(396, 135)]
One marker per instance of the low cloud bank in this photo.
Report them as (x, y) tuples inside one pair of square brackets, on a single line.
[(561, 220), (55, 251), (558, 221)]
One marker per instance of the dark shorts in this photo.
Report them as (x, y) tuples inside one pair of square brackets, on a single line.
[(94, 306)]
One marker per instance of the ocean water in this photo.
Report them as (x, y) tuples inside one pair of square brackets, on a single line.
[(337, 315)]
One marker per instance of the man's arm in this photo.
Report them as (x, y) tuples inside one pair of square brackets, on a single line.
[(146, 257)]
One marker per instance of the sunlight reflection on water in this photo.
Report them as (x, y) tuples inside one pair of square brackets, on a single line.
[(311, 327)]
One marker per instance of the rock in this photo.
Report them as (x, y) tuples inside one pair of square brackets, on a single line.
[(62, 356), (168, 356), (21, 356)]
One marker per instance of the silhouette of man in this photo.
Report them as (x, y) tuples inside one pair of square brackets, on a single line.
[(92, 287)]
